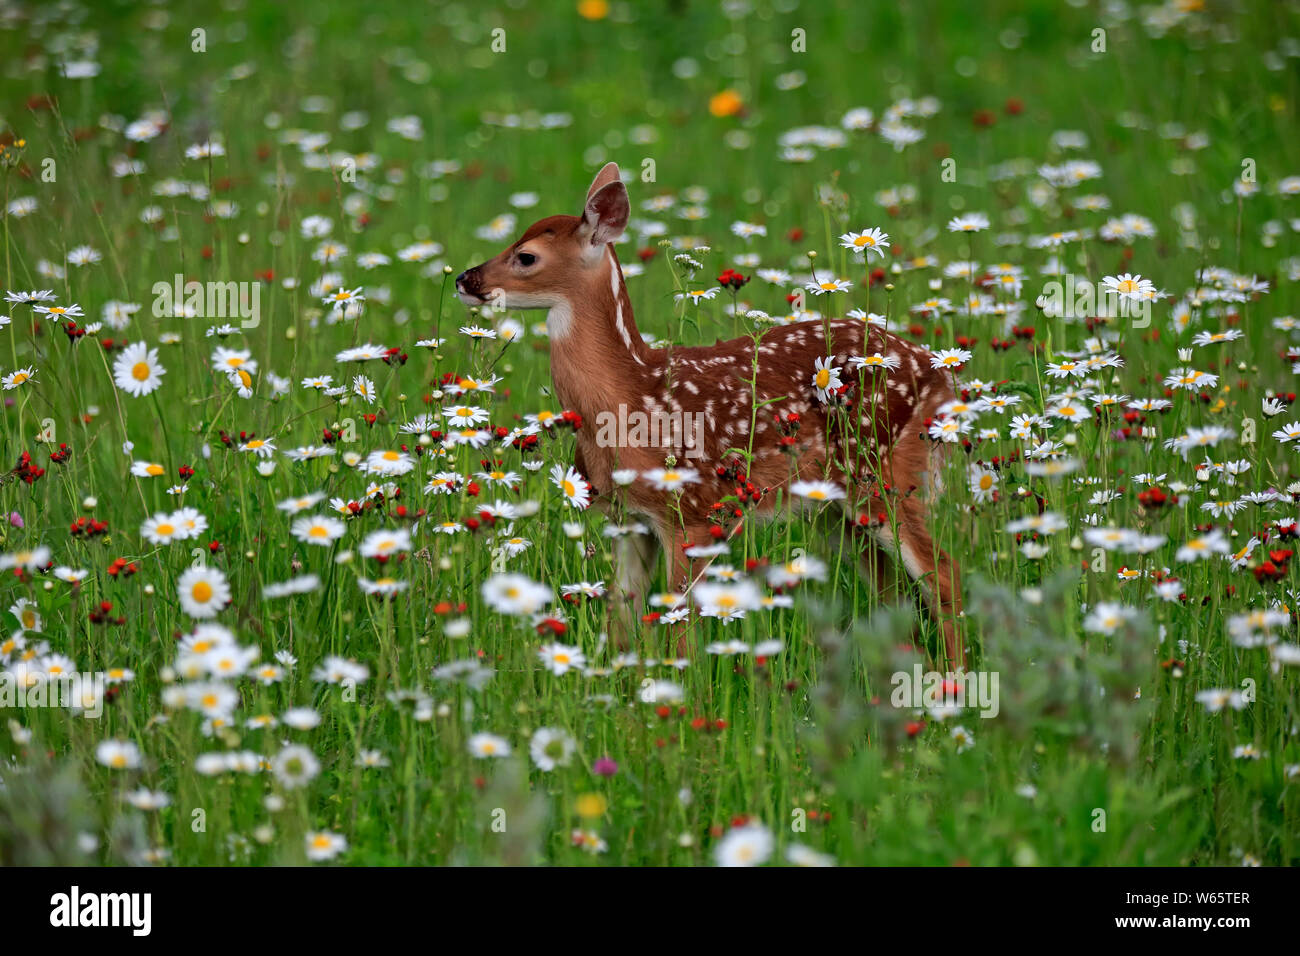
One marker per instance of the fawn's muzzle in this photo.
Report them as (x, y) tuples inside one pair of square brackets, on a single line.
[(469, 285)]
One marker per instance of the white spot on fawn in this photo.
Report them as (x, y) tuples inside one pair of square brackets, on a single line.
[(616, 287)]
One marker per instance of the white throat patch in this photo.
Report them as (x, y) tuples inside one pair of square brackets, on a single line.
[(559, 321)]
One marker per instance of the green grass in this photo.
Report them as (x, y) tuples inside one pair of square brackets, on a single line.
[(1100, 754)]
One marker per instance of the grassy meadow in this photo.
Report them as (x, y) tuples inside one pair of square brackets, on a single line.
[(342, 609)]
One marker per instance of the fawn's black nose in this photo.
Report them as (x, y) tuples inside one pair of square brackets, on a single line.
[(467, 282), (469, 285)]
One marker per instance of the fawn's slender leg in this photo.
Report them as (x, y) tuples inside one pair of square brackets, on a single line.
[(881, 555), (682, 570), (911, 470), (636, 558), (939, 577)]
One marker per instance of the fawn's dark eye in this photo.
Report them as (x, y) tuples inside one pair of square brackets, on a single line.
[(526, 258)]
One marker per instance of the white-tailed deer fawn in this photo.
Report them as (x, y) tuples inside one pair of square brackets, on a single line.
[(870, 440)]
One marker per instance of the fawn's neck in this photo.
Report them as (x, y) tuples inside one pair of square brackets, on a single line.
[(598, 356)]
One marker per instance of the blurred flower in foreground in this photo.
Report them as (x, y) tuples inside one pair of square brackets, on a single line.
[(749, 845), (726, 103)]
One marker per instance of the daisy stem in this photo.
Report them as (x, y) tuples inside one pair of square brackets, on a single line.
[(162, 427)]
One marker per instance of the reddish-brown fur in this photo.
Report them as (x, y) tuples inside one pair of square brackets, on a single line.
[(599, 361)]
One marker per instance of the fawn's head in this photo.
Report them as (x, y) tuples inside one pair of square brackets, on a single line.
[(558, 260)]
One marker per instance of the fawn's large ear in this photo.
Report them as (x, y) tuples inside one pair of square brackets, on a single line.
[(605, 216), (608, 174)]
